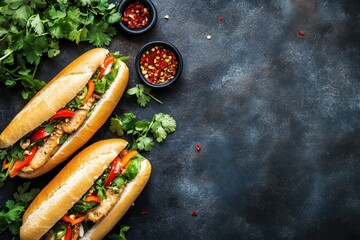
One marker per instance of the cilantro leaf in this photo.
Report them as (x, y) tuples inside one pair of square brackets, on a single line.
[(125, 123), (30, 31), (142, 93), (115, 126), (24, 195), (160, 125), (166, 121), (144, 143), (11, 214), (159, 132), (121, 235), (100, 35)]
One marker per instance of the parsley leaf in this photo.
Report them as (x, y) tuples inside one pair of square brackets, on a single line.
[(142, 93)]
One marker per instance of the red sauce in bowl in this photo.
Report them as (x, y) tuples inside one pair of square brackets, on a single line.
[(158, 65)]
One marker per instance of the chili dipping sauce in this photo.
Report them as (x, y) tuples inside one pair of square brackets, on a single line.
[(158, 65)]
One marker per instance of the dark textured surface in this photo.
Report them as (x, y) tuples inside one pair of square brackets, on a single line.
[(276, 114)]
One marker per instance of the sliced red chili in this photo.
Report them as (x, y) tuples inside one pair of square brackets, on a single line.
[(108, 60), (18, 165), (62, 113), (198, 147), (68, 233), (38, 134)]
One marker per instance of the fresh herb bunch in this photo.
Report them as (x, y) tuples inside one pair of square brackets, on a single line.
[(142, 94), (11, 214), (127, 124), (31, 29)]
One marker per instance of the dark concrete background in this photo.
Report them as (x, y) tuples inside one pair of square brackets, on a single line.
[(276, 114)]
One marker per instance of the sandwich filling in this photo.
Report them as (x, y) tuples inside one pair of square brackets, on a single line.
[(99, 200), (37, 147)]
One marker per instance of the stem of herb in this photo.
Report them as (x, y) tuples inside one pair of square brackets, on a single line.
[(154, 98), (6, 55)]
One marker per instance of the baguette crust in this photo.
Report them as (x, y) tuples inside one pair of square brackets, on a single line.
[(127, 198), (100, 114), (54, 96), (68, 186)]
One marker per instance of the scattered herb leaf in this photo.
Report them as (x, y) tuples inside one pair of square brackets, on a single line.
[(143, 95)]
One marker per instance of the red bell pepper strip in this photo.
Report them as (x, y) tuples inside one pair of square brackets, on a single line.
[(119, 165), (72, 221), (68, 233), (62, 113), (38, 134), (18, 165), (108, 60), (91, 88)]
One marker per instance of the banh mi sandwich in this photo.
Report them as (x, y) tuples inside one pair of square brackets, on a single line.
[(89, 195), (64, 115)]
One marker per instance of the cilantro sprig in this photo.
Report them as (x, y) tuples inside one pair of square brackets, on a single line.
[(11, 213), (143, 95), (31, 30), (143, 132)]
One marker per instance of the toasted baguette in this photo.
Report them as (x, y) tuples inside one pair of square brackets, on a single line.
[(72, 182), (127, 198)]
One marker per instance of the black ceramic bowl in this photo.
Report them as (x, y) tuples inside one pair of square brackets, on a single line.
[(137, 31), (170, 50)]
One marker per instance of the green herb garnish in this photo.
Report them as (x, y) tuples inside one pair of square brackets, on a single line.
[(30, 30), (11, 214), (142, 94), (127, 124)]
